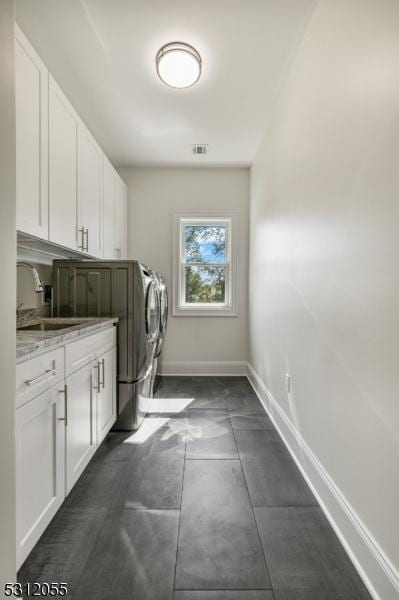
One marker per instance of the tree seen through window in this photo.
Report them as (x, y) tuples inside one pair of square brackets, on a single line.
[(205, 258)]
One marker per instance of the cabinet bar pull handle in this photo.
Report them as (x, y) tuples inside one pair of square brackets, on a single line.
[(65, 417), (98, 386), (66, 404), (86, 233), (103, 372), (91, 410), (81, 246), (36, 379)]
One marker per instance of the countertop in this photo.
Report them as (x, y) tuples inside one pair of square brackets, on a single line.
[(30, 343)]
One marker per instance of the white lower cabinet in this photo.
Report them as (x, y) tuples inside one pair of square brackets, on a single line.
[(81, 436), (59, 430), (106, 393), (40, 464)]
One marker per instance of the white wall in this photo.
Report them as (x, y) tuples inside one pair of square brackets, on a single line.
[(7, 296), (154, 195), (324, 282)]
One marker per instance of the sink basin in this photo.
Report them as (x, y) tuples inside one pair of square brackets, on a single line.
[(47, 326)]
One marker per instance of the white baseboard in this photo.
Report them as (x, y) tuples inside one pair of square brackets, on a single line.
[(203, 368), (378, 574)]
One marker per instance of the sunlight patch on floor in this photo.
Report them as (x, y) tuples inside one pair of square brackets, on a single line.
[(169, 405), (147, 429), (155, 421)]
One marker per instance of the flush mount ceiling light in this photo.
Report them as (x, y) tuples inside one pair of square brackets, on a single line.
[(178, 65)]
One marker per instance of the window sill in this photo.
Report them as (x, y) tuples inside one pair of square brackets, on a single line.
[(204, 312)]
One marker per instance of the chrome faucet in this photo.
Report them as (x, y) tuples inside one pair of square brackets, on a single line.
[(38, 284)]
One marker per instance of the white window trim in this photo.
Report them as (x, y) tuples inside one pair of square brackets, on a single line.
[(205, 310)]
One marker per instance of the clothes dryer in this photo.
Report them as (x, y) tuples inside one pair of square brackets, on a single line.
[(163, 321)]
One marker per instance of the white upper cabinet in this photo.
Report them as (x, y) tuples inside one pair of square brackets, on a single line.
[(115, 214), (123, 222), (67, 190), (120, 218), (90, 193), (63, 180), (109, 210), (31, 106)]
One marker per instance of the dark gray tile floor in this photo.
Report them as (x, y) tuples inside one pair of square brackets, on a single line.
[(272, 477), (203, 503), (219, 546), (209, 435), (305, 558)]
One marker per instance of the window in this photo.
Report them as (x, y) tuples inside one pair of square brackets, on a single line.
[(204, 269)]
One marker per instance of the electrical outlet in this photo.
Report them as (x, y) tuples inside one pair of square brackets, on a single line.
[(288, 383)]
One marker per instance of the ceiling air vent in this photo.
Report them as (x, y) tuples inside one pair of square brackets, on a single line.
[(200, 149)]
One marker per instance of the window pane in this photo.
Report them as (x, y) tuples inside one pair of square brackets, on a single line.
[(205, 243), (205, 285)]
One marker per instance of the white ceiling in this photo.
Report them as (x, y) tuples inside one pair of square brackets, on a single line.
[(102, 52)]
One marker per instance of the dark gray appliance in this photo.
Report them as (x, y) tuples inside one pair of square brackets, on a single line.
[(123, 289)]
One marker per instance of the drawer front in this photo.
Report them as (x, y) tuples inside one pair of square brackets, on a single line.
[(39, 374), (82, 352)]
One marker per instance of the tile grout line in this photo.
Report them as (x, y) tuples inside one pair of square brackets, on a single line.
[(224, 590), (285, 506), (254, 517), (250, 501), (163, 508), (180, 511), (212, 458)]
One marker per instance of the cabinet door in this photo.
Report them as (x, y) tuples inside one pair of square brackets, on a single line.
[(40, 456), (106, 393), (89, 193), (109, 210), (81, 436), (63, 152), (31, 115), (120, 218)]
